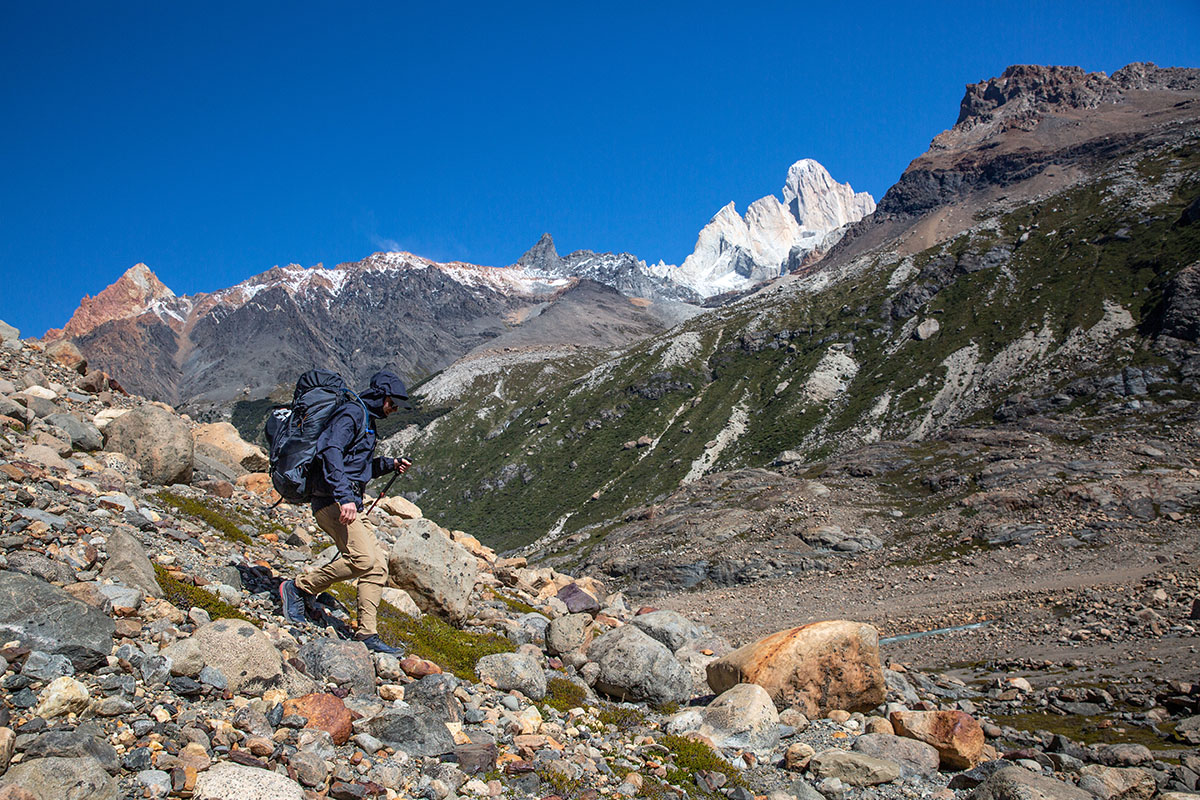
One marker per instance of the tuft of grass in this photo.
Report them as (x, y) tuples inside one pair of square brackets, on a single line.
[(229, 522), (515, 605), (184, 596), (622, 717), (689, 756), (563, 695), (429, 637)]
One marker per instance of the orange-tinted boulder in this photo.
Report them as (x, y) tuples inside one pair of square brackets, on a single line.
[(816, 668), (325, 712), (956, 735)]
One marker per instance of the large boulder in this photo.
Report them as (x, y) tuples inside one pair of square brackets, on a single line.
[(62, 779), (243, 653), (1181, 315), (956, 735), (635, 667), (914, 757), (1018, 783), (44, 617), (128, 563), (347, 664), (508, 671), (817, 668), (221, 441), (742, 718), (157, 439), (8, 333), (226, 781), (74, 744), (436, 572)]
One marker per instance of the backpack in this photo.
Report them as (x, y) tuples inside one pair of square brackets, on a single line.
[(292, 431)]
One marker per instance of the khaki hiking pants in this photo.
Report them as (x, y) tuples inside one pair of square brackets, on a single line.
[(361, 559)]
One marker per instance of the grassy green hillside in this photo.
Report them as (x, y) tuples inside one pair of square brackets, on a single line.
[(1013, 298)]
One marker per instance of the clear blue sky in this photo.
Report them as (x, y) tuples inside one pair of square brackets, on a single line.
[(214, 140)]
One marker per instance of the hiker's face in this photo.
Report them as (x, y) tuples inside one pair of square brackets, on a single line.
[(389, 406)]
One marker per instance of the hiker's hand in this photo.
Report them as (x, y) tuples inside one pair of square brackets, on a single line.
[(401, 465), (349, 513)]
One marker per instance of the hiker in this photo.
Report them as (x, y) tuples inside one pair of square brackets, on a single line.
[(342, 467)]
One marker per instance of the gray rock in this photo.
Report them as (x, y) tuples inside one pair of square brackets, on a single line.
[(632, 666), (310, 768), (74, 744), (158, 440), (185, 656), (41, 666), (927, 329), (1123, 755), (122, 597), (854, 769), (226, 781), (437, 572), (243, 653), (62, 779), (156, 669), (567, 633), (39, 566), (1018, 783), (529, 629), (1116, 783), (508, 671), (742, 718), (154, 782), (913, 757), (84, 435), (671, 628), (344, 663), (8, 333), (129, 564), (417, 731), (46, 618)]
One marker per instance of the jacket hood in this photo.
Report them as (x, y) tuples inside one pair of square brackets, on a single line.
[(385, 384)]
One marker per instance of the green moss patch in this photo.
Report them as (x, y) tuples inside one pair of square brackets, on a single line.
[(184, 596), (689, 756), (429, 637), (1088, 730), (563, 695), (623, 718), (229, 522)]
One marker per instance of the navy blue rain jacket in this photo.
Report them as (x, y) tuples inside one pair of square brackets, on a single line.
[(346, 447)]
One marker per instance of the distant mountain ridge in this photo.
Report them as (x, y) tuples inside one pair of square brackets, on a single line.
[(418, 315)]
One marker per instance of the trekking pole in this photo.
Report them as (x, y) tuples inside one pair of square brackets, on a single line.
[(385, 488)]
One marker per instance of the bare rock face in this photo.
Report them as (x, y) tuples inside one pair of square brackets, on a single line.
[(220, 440), (1181, 319), (437, 572), (157, 439), (817, 668), (956, 735)]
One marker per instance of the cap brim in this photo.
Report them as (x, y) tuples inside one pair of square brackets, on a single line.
[(402, 402)]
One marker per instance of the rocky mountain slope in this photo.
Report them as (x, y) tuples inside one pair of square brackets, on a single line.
[(144, 656), (1054, 282)]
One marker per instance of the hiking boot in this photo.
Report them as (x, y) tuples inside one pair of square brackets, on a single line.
[(292, 600), (377, 645)]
